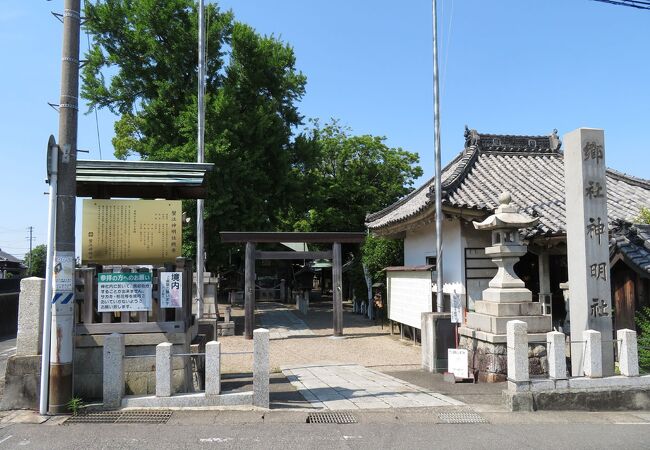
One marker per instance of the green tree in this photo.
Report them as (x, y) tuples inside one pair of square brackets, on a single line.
[(143, 67), (342, 178), (38, 257), (379, 253), (644, 216)]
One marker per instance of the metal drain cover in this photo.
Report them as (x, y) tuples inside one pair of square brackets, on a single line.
[(461, 417), (331, 417), (152, 417)]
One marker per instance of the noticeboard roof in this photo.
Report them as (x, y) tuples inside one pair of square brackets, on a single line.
[(142, 179)]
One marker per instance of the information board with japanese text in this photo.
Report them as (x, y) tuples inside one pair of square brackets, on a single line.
[(171, 289), (131, 231), (124, 292)]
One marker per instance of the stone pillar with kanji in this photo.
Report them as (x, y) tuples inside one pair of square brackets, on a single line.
[(588, 244)]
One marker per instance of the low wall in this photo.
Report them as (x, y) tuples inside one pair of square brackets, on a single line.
[(491, 362), (140, 373)]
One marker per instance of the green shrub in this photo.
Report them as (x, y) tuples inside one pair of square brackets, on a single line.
[(643, 328)]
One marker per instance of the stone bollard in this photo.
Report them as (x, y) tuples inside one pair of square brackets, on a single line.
[(628, 356), (555, 346), (227, 314), (593, 358), (164, 369), (113, 384), (517, 346), (30, 316), (261, 367), (213, 368)]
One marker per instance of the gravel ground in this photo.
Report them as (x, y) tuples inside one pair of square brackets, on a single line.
[(364, 343)]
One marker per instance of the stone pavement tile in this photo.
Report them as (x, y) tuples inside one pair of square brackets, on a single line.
[(372, 405), (421, 399), (285, 417), (56, 420), (31, 417), (339, 404), (642, 415)]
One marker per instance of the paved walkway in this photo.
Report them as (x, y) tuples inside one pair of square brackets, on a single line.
[(338, 386), (281, 322)]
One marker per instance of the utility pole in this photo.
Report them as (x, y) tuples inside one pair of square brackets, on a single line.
[(200, 242), (438, 182), (31, 238), (60, 391)]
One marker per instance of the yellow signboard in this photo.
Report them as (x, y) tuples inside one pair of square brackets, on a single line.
[(131, 231)]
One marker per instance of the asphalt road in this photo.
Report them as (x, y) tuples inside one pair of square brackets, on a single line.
[(307, 436)]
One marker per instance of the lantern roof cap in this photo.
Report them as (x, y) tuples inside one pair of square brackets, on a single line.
[(506, 216)]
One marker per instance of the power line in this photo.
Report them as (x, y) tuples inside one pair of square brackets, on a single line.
[(639, 4)]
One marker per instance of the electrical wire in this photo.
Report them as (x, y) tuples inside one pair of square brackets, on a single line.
[(639, 4)]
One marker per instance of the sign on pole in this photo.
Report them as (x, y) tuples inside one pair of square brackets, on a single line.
[(456, 308), (588, 243), (171, 289), (124, 292)]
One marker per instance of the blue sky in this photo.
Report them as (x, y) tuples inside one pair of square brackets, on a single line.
[(507, 66)]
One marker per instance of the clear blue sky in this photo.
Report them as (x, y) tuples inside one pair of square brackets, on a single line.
[(507, 66)]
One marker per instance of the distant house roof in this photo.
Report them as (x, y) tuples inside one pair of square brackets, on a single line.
[(632, 243), (142, 179), (9, 261), (531, 168)]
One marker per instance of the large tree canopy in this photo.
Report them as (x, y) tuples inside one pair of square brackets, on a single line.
[(142, 66), (345, 177)]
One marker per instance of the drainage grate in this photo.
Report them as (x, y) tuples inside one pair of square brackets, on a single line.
[(460, 417), (152, 417), (331, 417)]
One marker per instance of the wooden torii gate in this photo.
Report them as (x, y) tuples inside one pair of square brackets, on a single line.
[(255, 237)]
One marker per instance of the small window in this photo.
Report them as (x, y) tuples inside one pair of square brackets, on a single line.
[(431, 261)]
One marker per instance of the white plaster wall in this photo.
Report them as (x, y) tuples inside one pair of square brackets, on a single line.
[(420, 243)]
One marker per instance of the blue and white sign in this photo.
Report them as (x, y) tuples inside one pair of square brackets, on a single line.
[(124, 292), (62, 298)]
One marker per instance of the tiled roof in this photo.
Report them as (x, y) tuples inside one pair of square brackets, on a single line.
[(531, 168), (634, 244), (4, 256)]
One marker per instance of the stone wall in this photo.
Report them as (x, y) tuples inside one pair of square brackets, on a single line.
[(492, 363), (140, 373)]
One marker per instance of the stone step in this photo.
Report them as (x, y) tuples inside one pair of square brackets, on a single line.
[(497, 325), (508, 309)]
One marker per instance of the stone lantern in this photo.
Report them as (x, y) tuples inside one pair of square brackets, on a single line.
[(506, 250), (506, 299)]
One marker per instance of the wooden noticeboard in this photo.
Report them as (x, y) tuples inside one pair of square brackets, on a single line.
[(131, 231)]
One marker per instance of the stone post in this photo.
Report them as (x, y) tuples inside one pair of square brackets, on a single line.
[(628, 356), (588, 243), (213, 368), (113, 383), (593, 356), (164, 369), (283, 290), (30, 316), (261, 367), (227, 313), (517, 345), (555, 347)]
